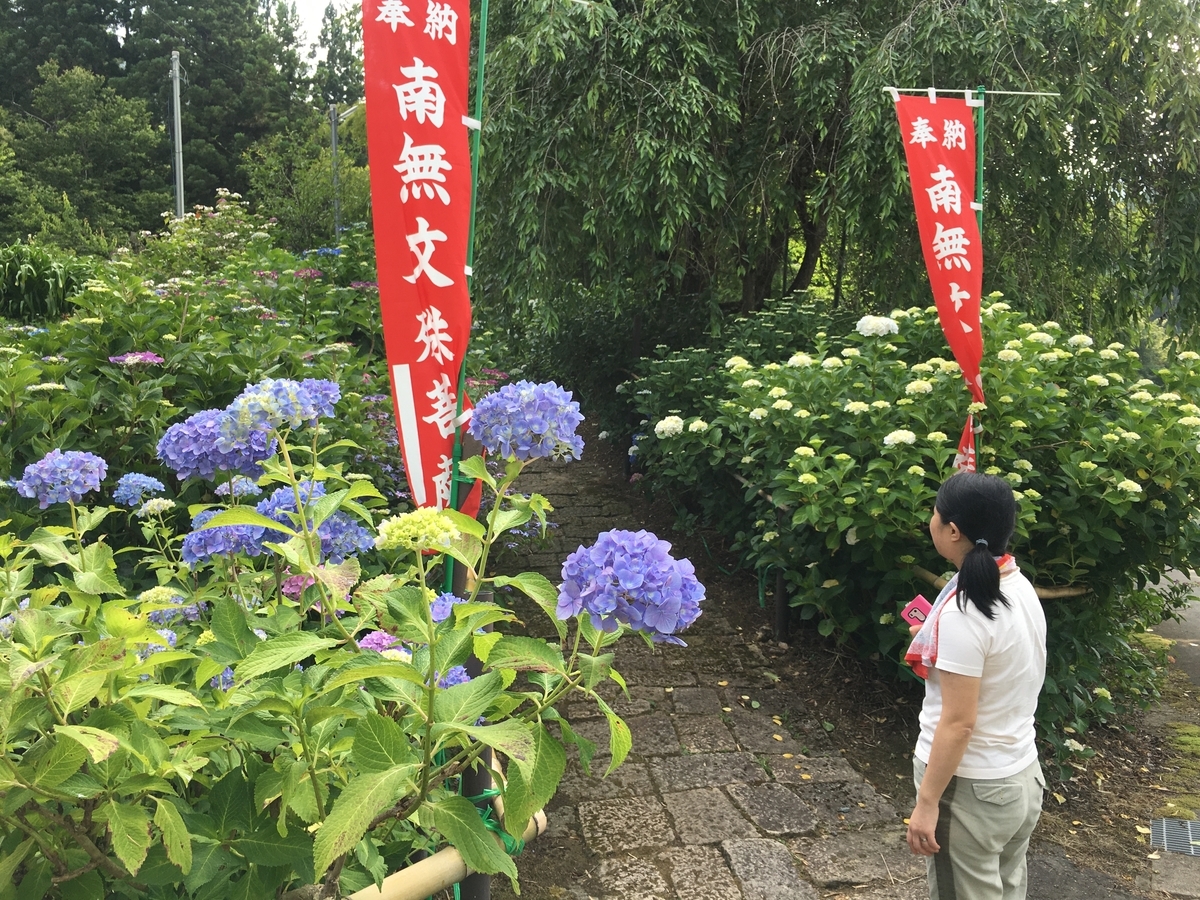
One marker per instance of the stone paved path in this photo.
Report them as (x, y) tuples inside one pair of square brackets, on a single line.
[(721, 798)]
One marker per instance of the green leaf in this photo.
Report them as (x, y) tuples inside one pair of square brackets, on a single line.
[(264, 847), (64, 760), (595, 668), (340, 578), (98, 583), (512, 738), (468, 701), (364, 798), (229, 626), (529, 788), (526, 654), (458, 819), (8, 865), (244, 515), (284, 650), (163, 692), (392, 668), (535, 586), (130, 828), (504, 519), (620, 741), (176, 839), (379, 744), (475, 467), (99, 744), (77, 691)]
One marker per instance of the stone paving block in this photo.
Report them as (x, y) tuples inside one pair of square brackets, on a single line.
[(705, 816), (756, 732), (699, 873), (642, 701), (631, 779), (696, 701), (765, 870), (562, 822), (773, 808), (630, 878), (915, 889), (653, 735), (857, 858), (706, 770), (847, 805), (704, 734), (819, 769), (610, 826), (594, 730), (1176, 874)]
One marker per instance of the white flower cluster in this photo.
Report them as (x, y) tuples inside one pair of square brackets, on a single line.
[(800, 361), (1098, 380), (900, 436), (876, 326), (668, 427), (737, 364), (1040, 337), (920, 386), (1129, 486), (831, 362), (1008, 356), (857, 407), (1079, 340), (758, 414), (776, 392), (698, 426)]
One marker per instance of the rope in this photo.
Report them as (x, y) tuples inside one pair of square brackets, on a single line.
[(512, 846)]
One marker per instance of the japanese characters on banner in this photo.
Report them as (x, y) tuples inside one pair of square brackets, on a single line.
[(939, 143), (415, 58)]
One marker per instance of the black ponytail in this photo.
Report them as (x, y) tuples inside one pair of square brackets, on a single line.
[(985, 511)]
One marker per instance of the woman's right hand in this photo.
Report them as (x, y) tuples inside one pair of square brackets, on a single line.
[(913, 629)]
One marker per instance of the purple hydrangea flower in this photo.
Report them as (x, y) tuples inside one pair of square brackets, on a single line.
[(222, 682), (274, 403), (528, 421), (341, 536), (377, 641), (631, 578), (204, 543), (133, 487), (441, 608), (453, 676), (138, 358), (239, 486), (190, 448), (148, 650), (191, 612), (62, 477)]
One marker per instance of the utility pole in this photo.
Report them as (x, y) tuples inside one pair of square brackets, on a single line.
[(337, 198), (178, 134)]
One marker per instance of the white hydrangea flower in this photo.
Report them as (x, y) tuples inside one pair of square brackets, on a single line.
[(1098, 380), (1088, 466), (1013, 478), (876, 326), (1074, 745), (805, 451), (807, 478), (758, 414), (1017, 424), (900, 436), (668, 427), (1190, 421), (1169, 397), (1116, 345), (1108, 354), (1129, 486), (1032, 494), (916, 470), (1110, 438), (899, 314), (1130, 436), (905, 401), (1051, 326), (1008, 356), (1190, 409), (751, 383), (698, 426), (772, 367), (919, 386), (973, 408), (800, 361), (851, 352), (802, 414), (936, 437), (782, 404), (857, 407), (852, 536), (921, 368), (1025, 326), (992, 470), (736, 363), (770, 536), (1048, 357), (1012, 345), (880, 404), (950, 368), (1040, 337), (1188, 356), (831, 362), (776, 392), (747, 460), (1142, 396), (1115, 377), (1079, 340)]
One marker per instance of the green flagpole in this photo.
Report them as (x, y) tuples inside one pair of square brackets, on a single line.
[(462, 372), (979, 135)]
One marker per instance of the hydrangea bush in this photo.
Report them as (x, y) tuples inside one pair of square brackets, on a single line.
[(824, 462), (292, 702)]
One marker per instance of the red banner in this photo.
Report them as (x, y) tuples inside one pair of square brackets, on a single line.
[(939, 143), (416, 61)]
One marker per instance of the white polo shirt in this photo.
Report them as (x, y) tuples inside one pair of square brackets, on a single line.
[(1008, 654)]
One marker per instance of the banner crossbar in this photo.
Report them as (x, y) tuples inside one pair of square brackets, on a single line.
[(895, 90)]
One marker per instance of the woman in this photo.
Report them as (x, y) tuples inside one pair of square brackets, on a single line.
[(982, 651)]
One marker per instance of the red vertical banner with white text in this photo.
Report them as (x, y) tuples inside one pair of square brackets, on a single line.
[(939, 143), (416, 66)]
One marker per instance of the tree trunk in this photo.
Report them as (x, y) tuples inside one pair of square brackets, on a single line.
[(813, 233), (756, 283)]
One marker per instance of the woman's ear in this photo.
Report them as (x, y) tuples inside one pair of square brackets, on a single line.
[(955, 533)]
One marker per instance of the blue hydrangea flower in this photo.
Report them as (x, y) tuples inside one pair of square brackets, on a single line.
[(190, 612), (239, 486), (204, 543), (148, 650), (62, 477), (528, 421), (190, 448), (441, 608), (274, 403), (341, 536), (631, 578), (7, 623), (222, 682), (453, 676), (133, 487)]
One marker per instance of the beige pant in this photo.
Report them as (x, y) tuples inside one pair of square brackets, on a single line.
[(983, 831)]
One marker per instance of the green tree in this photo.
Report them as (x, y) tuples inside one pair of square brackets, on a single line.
[(339, 75), (684, 160), (88, 155)]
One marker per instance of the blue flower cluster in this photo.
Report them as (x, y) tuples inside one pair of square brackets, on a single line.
[(275, 403), (208, 542), (222, 682), (341, 536), (7, 623), (454, 675), (62, 477), (441, 608), (190, 448), (133, 487), (191, 612), (528, 421), (631, 578), (239, 486), (148, 650)]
